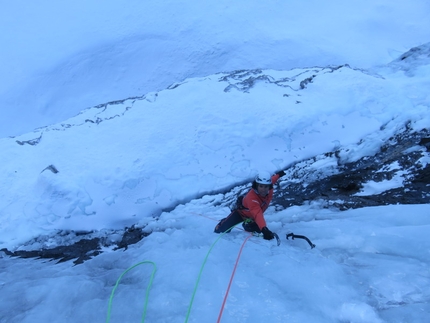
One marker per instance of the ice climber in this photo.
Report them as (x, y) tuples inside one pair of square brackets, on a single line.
[(251, 209)]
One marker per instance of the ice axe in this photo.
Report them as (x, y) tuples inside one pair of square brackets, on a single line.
[(293, 236)]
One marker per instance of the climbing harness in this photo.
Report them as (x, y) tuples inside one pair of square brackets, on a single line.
[(293, 236)]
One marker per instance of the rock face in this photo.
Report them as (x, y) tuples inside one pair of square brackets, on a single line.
[(80, 251), (399, 172), (404, 160), (398, 160), (87, 245)]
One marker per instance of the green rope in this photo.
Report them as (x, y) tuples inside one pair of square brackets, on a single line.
[(147, 289), (201, 270)]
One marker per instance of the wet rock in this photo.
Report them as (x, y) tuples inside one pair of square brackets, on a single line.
[(402, 154), (84, 247), (131, 236), (80, 251)]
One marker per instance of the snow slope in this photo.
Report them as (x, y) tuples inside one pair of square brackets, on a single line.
[(79, 54), (162, 159), (119, 162), (122, 164)]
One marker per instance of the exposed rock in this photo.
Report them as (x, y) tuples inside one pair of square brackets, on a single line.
[(80, 251), (131, 236), (340, 186), (31, 142), (340, 190), (337, 186), (84, 248)]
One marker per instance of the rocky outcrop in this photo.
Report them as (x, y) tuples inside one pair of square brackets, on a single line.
[(87, 245), (404, 156), (400, 157)]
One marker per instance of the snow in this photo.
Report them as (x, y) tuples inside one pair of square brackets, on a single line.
[(370, 265), (79, 54), (373, 188), (186, 127)]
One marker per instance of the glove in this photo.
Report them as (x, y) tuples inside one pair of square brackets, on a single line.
[(281, 173), (267, 234)]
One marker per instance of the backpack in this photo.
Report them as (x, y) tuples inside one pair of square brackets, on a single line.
[(239, 205)]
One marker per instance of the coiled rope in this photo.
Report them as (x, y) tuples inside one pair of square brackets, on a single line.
[(195, 287)]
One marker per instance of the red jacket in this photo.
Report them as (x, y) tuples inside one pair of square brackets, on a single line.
[(255, 205)]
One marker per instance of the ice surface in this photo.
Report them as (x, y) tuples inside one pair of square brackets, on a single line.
[(160, 155)]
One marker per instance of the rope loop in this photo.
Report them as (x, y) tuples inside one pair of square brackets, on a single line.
[(147, 288), (201, 270)]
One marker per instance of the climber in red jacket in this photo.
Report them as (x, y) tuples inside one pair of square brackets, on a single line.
[(255, 202)]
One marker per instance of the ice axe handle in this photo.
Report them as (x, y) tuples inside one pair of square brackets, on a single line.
[(278, 241), (292, 235)]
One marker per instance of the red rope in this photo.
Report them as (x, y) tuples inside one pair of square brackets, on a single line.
[(199, 214), (231, 278)]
